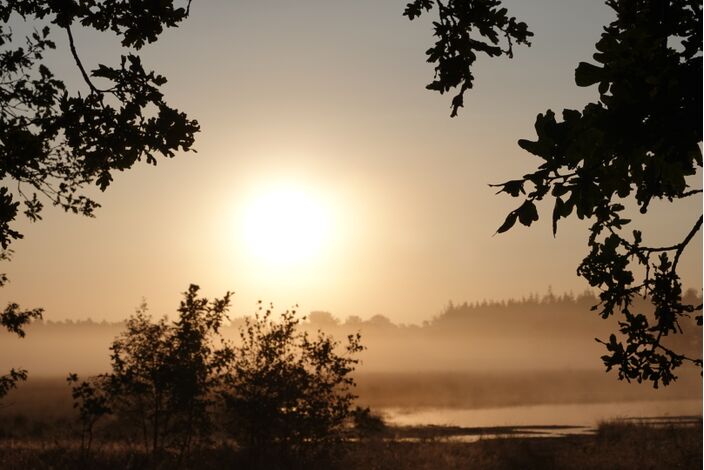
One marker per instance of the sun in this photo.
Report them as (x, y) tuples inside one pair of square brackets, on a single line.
[(285, 226)]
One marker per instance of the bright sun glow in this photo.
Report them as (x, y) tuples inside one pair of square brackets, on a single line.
[(285, 226)]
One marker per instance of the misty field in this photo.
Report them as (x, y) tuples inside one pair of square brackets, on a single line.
[(465, 390)]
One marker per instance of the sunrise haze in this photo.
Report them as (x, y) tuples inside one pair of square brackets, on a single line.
[(322, 105)]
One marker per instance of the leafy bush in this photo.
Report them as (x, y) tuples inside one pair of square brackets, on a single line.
[(163, 375), (285, 395), (289, 395), (92, 400), (368, 424)]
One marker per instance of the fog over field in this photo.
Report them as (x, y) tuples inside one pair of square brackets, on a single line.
[(469, 355)]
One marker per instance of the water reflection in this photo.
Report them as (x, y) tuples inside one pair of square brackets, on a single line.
[(540, 420)]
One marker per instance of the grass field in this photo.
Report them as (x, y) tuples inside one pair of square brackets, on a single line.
[(615, 445)]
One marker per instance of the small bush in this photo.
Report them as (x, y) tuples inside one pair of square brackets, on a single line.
[(163, 376), (289, 395), (368, 424)]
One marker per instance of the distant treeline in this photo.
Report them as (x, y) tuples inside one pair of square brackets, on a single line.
[(536, 332), (546, 311)]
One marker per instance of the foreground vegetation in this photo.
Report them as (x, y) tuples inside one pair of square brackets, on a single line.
[(175, 388), (178, 394), (614, 446), (617, 445)]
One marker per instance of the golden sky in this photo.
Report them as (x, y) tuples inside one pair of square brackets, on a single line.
[(316, 120)]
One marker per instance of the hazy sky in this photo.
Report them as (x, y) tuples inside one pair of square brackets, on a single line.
[(322, 104)]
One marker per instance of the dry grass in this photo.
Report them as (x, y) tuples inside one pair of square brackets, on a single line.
[(616, 445)]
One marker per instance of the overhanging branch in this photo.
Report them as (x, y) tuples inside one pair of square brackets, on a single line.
[(685, 242), (77, 59)]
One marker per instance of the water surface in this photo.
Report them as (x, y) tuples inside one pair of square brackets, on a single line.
[(543, 420)]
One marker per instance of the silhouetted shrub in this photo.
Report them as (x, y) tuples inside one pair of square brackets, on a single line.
[(92, 400), (368, 424), (289, 395), (163, 376)]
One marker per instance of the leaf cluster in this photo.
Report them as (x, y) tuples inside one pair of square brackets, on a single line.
[(464, 29), (58, 143), (640, 141), (14, 319), (137, 21)]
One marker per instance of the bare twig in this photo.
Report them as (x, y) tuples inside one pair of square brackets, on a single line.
[(86, 78)]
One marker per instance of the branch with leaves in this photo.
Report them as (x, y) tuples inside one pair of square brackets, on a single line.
[(14, 320), (463, 30), (641, 141), (57, 143)]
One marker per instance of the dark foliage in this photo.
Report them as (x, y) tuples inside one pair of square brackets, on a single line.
[(163, 376), (639, 142), (92, 400), (463, 30), (286, 396), (289, 395), (367, 424), (14, 319), (53, 144)]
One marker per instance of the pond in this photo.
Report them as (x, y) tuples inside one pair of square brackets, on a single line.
[(546, 420)]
